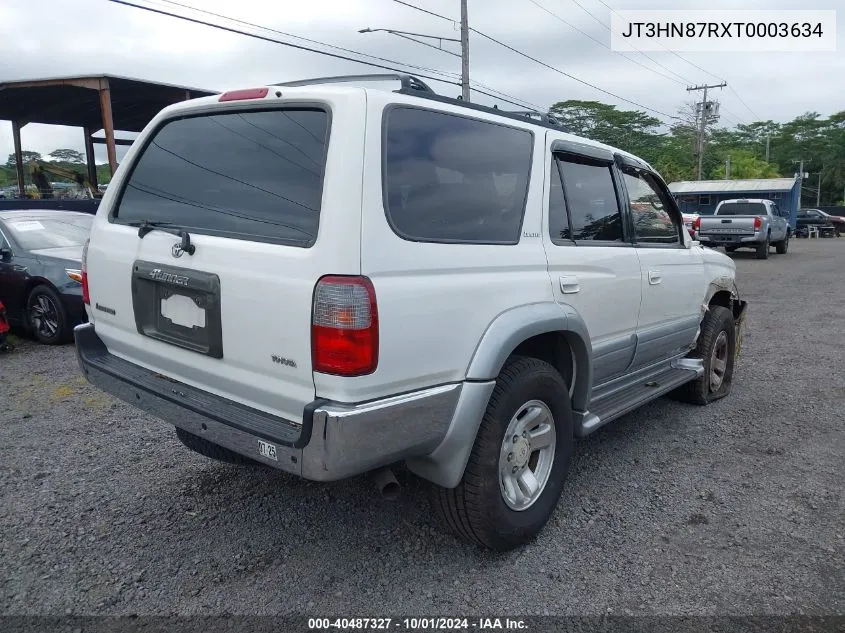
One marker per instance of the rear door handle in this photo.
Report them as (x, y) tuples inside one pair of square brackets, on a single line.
[(569, 285), (654, 277)]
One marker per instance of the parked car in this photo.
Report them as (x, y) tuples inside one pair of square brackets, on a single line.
[(689, 223), (40, 270), (746, 223), (329, 279), (816, 217)]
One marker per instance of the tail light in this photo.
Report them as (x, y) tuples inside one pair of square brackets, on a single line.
[(696, 225), (86, 298), (344, 326), (758, 223)]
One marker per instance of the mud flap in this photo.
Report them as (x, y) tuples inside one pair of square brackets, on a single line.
[(739, 324)]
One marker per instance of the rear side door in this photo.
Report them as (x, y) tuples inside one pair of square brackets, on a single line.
[(779, 223), (673, 280), (247, 181), (591, 259)]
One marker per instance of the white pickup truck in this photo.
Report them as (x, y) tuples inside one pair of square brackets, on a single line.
[(746, 223), (330, 279)]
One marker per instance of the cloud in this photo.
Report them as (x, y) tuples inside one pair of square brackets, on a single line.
[(93, 37)]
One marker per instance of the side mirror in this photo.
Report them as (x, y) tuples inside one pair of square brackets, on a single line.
[(5, 254)]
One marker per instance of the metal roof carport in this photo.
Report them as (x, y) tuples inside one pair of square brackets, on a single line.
[(702, 196), (100, 102)]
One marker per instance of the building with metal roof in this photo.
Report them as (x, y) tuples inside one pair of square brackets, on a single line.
[(702, 196), (93, 102)]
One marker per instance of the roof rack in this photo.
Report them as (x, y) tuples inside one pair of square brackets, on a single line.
[(409, 82), (416, 87)]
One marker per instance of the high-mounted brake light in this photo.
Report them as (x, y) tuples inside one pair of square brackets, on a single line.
[(249, 93), (86, 298), (758, 223), (344, 326)]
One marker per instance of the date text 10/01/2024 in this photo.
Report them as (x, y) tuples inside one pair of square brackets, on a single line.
[(416, 624)]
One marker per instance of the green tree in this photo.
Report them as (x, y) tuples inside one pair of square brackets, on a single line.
[(67, 156), (26, 156), (744, 164)]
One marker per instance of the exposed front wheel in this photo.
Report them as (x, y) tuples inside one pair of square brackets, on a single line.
[(515, 474), (717, 348)]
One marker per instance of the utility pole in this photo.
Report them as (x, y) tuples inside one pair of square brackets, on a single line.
[(819, 191), (728, 168), (801, 177), (464, 52), (768, 138), (703, 122)]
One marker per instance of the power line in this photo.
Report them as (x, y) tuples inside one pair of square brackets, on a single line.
[(649, 57), (301, 47), (694, 65), (542, 63), (742, 101), (299, 37), (600, 43)]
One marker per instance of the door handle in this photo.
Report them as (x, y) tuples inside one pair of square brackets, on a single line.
[(654, 277), (569, 285)]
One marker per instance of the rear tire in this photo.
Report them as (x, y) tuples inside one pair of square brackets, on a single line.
[(717, 348), (493, 506), (782, 246), (763, 249), (212, 450)]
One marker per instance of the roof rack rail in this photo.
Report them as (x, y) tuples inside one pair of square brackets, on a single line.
[(537, 116), (414, 86), (409, 82)]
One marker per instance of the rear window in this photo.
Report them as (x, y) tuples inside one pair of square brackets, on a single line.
[(742, 208), (254, 175), (448, 178)]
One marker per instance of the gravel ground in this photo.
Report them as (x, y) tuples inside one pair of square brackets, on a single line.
[(736, 508)]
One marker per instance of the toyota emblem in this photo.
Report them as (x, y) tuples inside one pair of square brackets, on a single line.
[(176, 250)]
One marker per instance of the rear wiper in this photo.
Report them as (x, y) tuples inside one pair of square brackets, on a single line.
[(147, 226)]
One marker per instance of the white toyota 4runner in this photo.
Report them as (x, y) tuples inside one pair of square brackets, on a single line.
[(330, 278)]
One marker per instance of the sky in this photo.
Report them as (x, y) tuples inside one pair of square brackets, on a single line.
[(83, 37)]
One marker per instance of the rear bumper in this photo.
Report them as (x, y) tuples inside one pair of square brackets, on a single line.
[(730, 239), (331, 441)]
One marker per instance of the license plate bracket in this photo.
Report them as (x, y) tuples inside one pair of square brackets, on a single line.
[(179, 306)]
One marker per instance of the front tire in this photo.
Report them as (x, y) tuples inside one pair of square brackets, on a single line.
[(515, 473), (717, 348), (46, 316)]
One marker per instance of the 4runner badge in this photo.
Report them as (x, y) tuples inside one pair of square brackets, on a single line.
[(160, 275), (176, 249)]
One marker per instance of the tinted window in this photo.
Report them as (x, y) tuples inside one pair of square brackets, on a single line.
[(591, 196), (558, 218), (650, 209), (743, 208), (38, 232), (249, 175), (453, 179)]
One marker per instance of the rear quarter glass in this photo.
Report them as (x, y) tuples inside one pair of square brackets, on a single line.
[(251, 174)]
